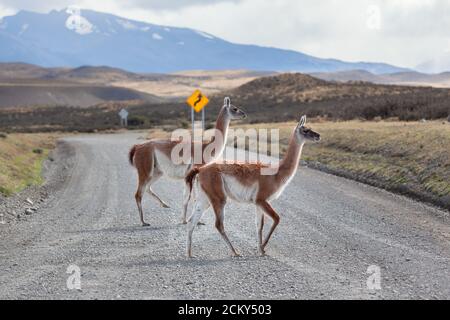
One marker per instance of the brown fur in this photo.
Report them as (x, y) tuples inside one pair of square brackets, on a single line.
[(131, 154), (213, 184), (190, 179), (144, 159)]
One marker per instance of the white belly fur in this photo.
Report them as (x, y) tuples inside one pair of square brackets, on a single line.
[(238, 192), (170, 169)]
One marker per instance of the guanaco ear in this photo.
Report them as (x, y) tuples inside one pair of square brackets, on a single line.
[(227, 102), (302, 121)]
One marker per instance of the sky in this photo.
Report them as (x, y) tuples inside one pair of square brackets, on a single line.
[(401, 32)]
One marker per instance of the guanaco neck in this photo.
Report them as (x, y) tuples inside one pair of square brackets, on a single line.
[(288, 166), (221, 128), (222, 124)]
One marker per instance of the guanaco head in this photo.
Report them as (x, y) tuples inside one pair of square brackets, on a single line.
[(233, 111), (305, 132)]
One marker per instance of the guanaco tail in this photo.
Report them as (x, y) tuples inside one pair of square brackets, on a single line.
[(153, 159), (243, 182)]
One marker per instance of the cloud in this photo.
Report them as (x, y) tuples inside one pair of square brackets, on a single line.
[(38, 6), (401, 32), (406, 34), (172, 4), (46, 5)]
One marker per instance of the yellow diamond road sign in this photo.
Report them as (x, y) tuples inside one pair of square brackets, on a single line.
[(197, 101)]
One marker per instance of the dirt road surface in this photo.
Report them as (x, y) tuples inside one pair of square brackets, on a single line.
[(332, 232)]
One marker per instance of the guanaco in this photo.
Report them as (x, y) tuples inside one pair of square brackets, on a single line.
[(152, 159), (243, 182)]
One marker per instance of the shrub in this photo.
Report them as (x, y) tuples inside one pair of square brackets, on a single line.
[(184, 124), (135, 121)]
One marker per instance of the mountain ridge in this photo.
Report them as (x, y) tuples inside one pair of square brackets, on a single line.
[(408, 78), (106, 39)]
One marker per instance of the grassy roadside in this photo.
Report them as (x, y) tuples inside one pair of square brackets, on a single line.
[(21, 159), (405, 157)]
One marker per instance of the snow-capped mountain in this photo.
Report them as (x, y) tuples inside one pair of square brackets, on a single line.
[(64, 38)]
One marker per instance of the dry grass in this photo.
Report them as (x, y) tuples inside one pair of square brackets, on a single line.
[(21, 158), (184, 83), (406, 157)]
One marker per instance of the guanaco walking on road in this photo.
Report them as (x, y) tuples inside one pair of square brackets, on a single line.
[(243, 182), (153, 160)]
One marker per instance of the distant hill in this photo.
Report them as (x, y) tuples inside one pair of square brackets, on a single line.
[(14, 71), (105, 39), (286, 96), (297, 87), (65, 94), (166, 86), (10, 71), (24, 85), (268, 99), (401, 78)]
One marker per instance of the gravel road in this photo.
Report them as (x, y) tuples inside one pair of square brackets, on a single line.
[(332, 231)]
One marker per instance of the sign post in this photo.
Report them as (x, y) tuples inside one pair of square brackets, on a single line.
[(203, 119), (192, 121), (198, 102), (123, 114)]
